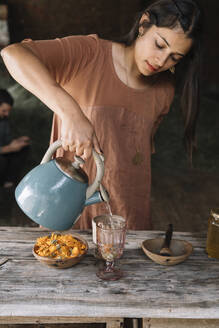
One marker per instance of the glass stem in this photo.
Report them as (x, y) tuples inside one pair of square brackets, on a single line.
[(109, 266)]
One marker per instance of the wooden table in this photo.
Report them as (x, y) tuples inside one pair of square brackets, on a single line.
[(185, 295)]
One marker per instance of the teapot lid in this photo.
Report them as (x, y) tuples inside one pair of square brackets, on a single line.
[(72, 170)]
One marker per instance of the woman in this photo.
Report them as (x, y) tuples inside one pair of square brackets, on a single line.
[(113, 95)]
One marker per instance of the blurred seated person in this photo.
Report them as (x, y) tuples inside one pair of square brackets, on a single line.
[(12, 151)]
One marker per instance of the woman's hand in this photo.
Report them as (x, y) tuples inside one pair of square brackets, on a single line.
[(78, 135), (17, 144)]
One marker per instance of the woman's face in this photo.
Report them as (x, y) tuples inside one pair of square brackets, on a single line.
[(4, 110), (160, 48)]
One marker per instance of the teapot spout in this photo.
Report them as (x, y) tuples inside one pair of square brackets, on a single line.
[(98, 197)]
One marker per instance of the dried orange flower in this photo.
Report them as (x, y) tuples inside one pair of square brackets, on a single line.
[(59, 246)]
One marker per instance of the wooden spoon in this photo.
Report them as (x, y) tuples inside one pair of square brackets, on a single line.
[(165, 249)]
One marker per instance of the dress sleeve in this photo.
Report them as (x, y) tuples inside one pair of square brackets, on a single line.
[(65, 57), (165, 110)]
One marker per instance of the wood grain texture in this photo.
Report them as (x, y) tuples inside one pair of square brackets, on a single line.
[(50, 322), (180, 323), (29, 289)]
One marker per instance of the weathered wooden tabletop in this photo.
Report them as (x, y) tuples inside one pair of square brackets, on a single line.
[(28, 288)]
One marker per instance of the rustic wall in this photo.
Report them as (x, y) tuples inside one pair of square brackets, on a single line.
[(51, 18), (211, 46)]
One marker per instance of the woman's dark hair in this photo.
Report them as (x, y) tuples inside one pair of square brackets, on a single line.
[(186, 14), (5, 97)]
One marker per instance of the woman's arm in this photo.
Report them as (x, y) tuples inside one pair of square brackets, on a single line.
[(77, 133), (14, 146)]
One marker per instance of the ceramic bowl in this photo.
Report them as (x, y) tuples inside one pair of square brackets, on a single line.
[(62, 263), (181, 249)]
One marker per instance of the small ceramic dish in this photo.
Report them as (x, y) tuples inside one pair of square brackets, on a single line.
[(180, 249), (62, 263)]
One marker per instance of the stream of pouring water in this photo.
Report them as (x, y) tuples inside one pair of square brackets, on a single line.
[(108, 207)]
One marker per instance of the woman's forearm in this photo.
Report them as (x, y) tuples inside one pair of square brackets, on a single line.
[(26, 68), (77, 132), (5, 149)]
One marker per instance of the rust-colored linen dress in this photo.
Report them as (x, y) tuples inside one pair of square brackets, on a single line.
[(125, 120)]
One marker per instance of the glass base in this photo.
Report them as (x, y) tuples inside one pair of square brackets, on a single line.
[(115, 274)]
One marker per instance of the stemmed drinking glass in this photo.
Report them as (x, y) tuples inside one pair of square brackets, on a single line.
[(110, 233)]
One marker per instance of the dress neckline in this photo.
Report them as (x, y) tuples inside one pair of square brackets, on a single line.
[(134, 90)]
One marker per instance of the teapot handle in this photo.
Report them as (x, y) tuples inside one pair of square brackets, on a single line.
[(98, 160), (50, 151), (99, 175)]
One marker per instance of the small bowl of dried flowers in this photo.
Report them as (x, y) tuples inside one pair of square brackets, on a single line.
[(59, 250)]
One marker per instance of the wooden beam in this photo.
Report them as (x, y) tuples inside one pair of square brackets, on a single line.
[(180, 323), (110, 322)]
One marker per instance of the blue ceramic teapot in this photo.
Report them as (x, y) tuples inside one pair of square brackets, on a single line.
[(54, 193)]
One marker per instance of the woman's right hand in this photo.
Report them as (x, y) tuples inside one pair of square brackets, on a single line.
[(78, 135)]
